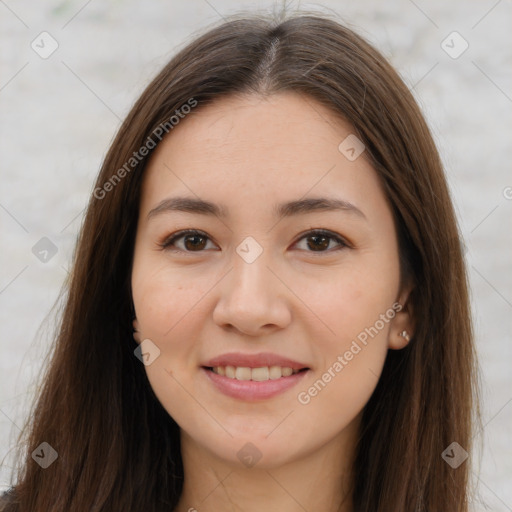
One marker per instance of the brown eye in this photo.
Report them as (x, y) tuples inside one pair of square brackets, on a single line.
[(186, 241), (318, 242), (194, 242), (197, 241), (321, 241)]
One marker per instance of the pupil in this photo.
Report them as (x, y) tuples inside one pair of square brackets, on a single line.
[(324, 244), (194, 244)]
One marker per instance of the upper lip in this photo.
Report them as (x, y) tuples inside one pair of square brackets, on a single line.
[(254, 361)]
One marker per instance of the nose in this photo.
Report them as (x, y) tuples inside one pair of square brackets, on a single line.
[(252, 300)]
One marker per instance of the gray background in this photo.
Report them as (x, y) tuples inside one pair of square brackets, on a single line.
[(58, 116)]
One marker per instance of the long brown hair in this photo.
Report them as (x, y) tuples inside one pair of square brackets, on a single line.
[(118, 449)]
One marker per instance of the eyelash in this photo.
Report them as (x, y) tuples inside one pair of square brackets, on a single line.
[(165, 245)]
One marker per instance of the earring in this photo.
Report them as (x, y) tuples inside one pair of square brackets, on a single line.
[(405, 335)]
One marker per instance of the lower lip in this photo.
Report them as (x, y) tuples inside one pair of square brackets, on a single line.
[(253, 390)]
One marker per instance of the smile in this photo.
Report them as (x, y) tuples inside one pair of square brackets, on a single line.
[(253, 384), (255, 374), (251, 377)]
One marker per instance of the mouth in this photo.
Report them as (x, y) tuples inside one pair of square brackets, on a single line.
[(253, 377), (259, 374)]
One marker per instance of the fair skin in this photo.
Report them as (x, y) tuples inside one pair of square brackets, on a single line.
[(303, 298)]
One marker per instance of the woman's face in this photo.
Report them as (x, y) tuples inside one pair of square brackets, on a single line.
[(255, 290)]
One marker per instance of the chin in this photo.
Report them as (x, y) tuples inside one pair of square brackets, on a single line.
[(252, 449)]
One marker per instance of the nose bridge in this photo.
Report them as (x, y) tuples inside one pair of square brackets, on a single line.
[(251, 297), (250, 274)]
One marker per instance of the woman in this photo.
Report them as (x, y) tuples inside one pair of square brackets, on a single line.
[(268, 306)]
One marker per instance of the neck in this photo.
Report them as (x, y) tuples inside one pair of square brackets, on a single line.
[(318, 481)]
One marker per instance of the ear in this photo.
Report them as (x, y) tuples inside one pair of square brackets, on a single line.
[(401, 331), (136, 333)]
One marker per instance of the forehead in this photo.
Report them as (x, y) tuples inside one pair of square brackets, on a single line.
[(254, 148)]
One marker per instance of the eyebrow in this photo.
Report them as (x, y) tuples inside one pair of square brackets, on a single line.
[(291, 208)]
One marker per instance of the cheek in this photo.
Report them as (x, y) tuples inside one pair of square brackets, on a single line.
[(164, 296), (354, 315), (351, 364), (346, 302), (170, 310)]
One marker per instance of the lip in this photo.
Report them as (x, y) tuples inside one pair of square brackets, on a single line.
[(254, 361), (249, 390)]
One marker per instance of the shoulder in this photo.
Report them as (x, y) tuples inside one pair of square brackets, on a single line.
[(8, 501)]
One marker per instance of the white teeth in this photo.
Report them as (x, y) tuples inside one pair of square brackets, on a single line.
[(230, 371), (286, 372), (243, 373), (257, 374), (275, 372)]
